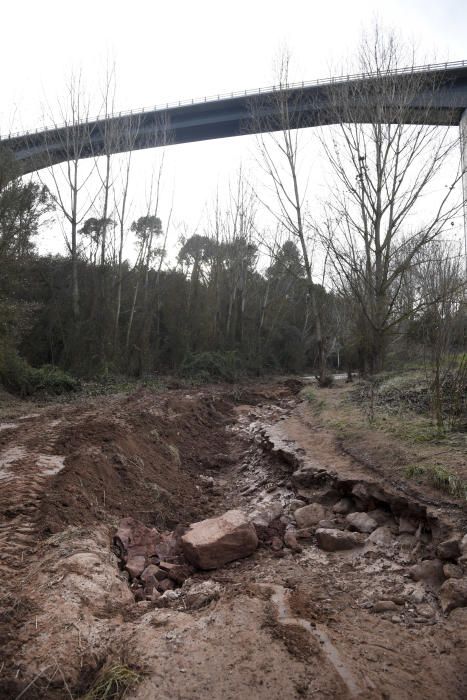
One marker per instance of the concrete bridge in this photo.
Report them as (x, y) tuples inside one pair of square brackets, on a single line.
[(434, 94)]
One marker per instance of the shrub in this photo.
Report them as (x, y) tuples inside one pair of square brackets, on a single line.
[(211, 366), (18, 377)]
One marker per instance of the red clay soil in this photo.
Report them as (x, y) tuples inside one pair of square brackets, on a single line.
[(283, 623)]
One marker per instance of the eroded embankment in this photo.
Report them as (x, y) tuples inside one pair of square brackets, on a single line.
[(342, 598)]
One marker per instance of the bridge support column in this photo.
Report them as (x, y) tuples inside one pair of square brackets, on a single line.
[(463, 143)]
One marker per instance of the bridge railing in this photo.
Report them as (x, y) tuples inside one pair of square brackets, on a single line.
[(431, 67)]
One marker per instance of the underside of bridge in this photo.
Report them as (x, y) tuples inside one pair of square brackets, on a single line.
[(425, 95)]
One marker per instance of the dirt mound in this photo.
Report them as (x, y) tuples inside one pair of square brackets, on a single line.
[(140, 455)]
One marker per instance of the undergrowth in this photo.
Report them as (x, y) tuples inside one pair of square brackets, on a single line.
[(316, 403), (439, 477), (113, 683), (18, 377)]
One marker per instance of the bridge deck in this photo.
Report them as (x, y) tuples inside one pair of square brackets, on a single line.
[(441, 98)]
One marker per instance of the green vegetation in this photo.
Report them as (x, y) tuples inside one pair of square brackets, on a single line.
[(439, 477), (18, 377), (113, 683), (212, 366), (317, 404)]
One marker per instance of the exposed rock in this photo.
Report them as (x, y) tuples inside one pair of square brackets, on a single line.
[(169, 548), (425, 610), (277, 544), (134, 539), (331, 524), (418, 593), (264, 514), (152, 571), (304, 533), (382, 535), (306, 475), (310, 515), (407, 526), (362, 496), (463, 545), (136, 565), (385, 606), (453, 594), (165, 585), (214, 542), (381, 516), (361, 522), (295, 504), (290, 540), (197, 595), (451, 570), (449, 549), (430, 571), (344, 506), (334, 540), (177, 572)]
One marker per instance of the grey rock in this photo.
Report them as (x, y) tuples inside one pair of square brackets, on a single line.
[(385, 606), (453, 594), (451, 570), (407, 526), (382, 535), (344, 506), (310, 515), (430, 571), (361, 522), (334, 540), (449, 549)]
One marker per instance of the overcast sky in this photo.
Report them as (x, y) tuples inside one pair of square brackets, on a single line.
[(170, 51)]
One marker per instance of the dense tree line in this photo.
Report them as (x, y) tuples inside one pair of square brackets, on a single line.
[(239, 297)]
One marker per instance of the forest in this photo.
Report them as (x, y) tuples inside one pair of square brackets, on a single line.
[(271, 284)]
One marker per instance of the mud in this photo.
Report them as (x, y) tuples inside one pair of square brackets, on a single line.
[(298, 622)]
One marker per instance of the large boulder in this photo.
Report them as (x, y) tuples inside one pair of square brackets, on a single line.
[(214, 542), (310, 515), (361, 522), (334, 540)]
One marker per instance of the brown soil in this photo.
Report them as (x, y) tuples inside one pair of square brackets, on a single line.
[(283, 624)]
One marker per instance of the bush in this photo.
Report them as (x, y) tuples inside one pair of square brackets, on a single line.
[(18, 377), (211, 366)]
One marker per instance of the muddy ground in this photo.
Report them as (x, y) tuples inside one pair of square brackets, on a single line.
[(278, 624)]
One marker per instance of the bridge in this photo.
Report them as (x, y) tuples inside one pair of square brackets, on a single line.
[(440, 98)]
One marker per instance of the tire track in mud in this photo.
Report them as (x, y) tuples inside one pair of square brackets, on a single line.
[(25, 473)]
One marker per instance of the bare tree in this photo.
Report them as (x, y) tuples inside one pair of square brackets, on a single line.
[(279, 152), (73, 139), (383, 207)]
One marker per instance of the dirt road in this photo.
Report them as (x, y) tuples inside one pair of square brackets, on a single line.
[(286, 622)]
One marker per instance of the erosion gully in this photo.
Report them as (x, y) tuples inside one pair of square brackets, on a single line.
[(301, 617)]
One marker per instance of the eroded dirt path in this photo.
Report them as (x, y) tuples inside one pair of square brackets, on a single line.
[(282, 623)]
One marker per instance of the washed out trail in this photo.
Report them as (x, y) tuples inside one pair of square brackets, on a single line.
[(345, 595)]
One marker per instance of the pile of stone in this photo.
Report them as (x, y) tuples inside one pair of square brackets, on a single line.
[(156, 562)]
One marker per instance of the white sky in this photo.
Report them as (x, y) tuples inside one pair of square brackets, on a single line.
[(166, 51)]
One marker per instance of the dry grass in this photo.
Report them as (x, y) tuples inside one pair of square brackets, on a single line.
[(113, 683)]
